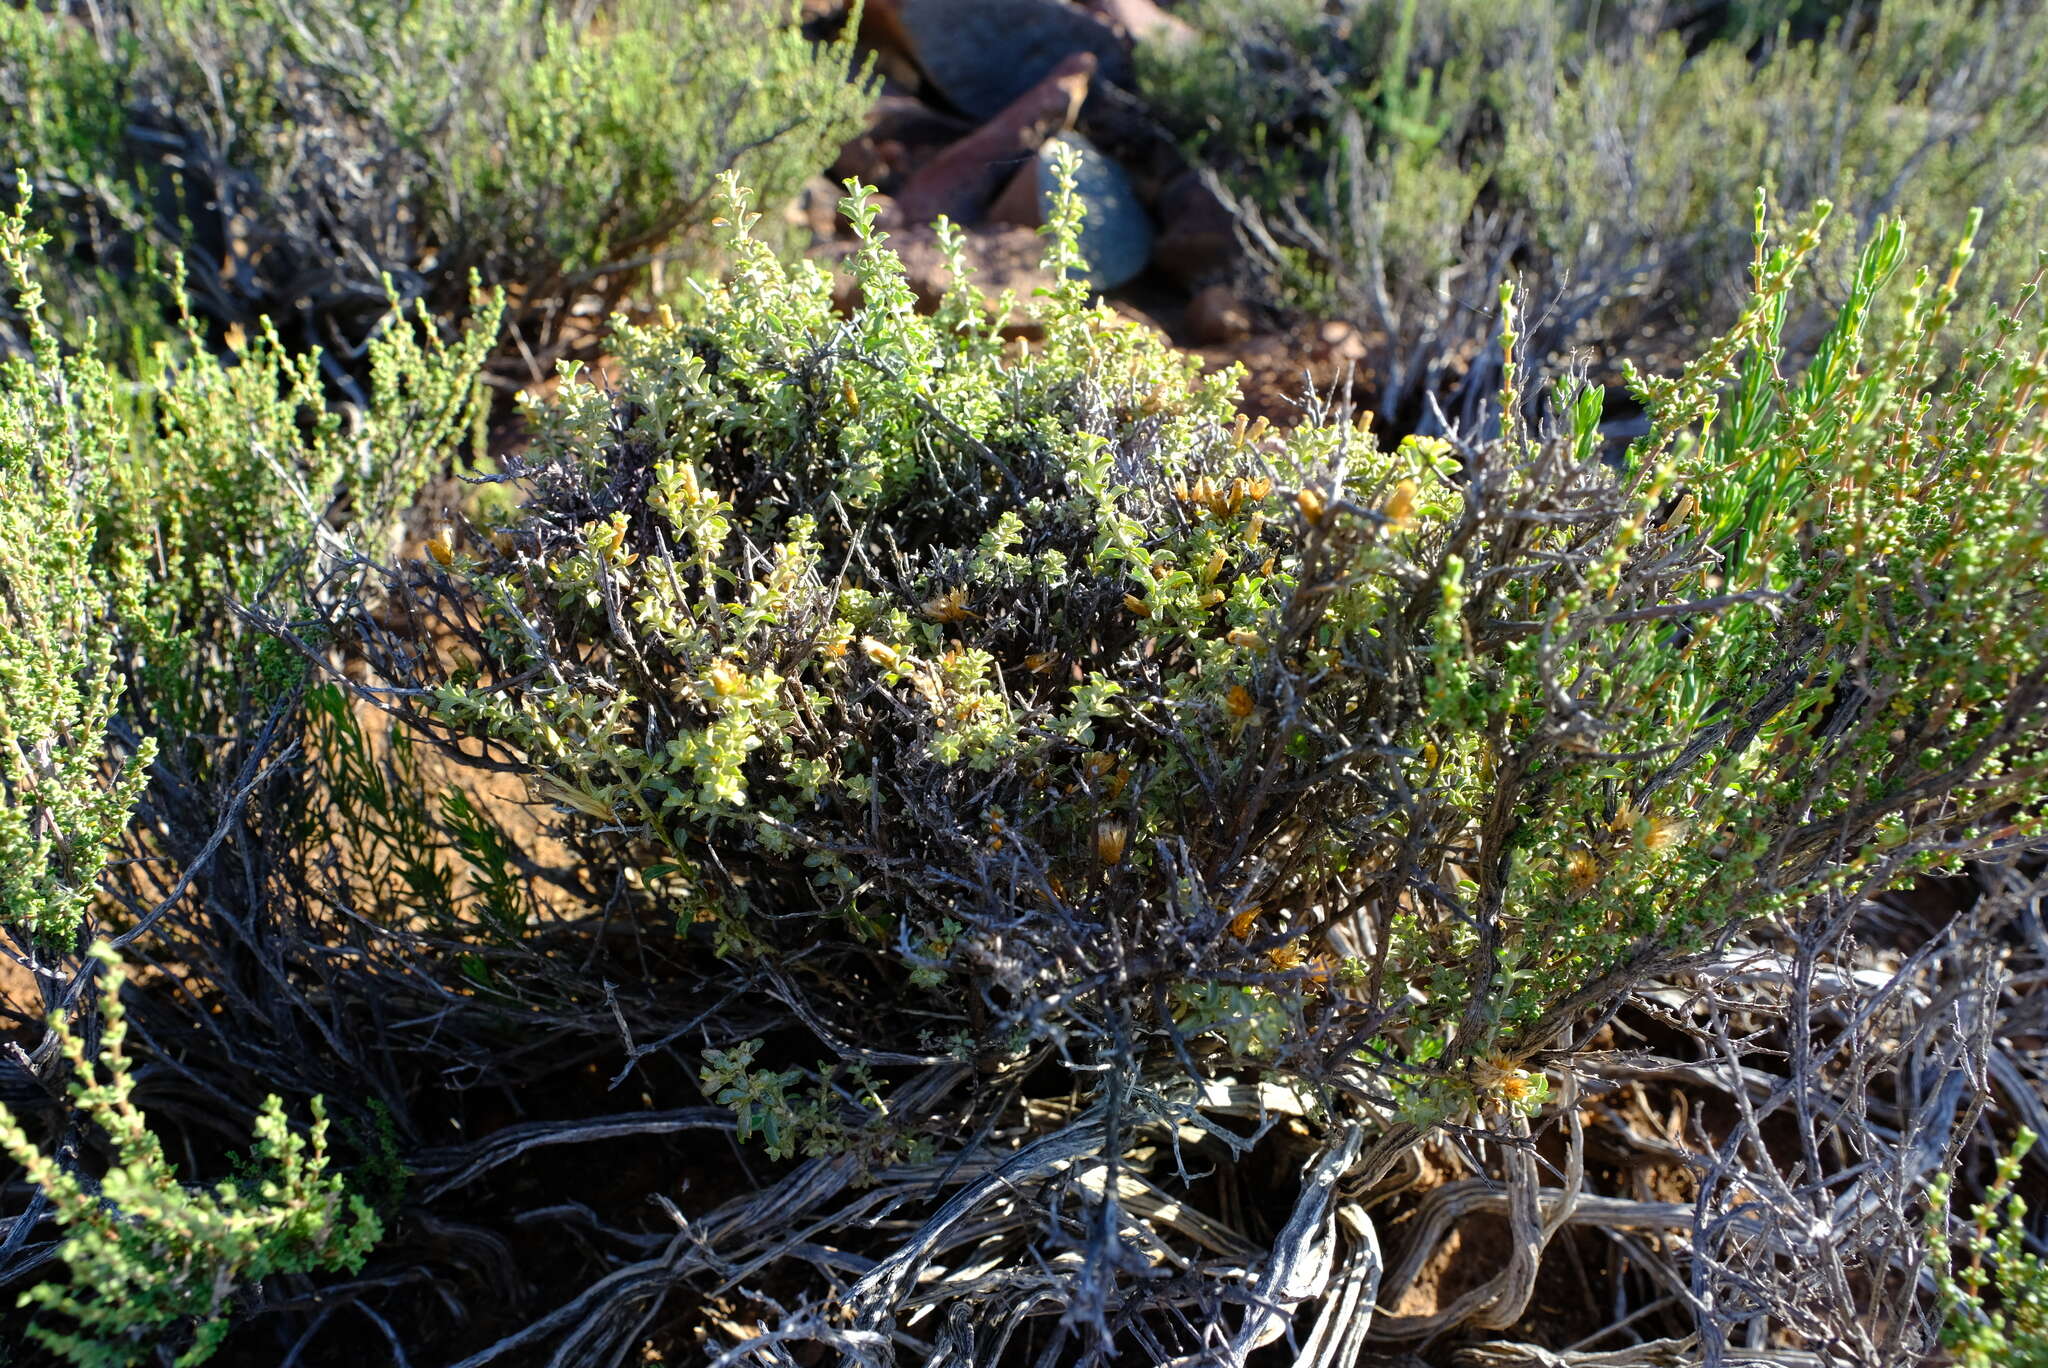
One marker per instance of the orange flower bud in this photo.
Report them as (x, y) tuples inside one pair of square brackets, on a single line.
[(1400, 507)]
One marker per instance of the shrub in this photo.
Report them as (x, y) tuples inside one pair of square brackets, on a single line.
[(152, 1261), (1008, 707), (136, 517), (1394, 162), (60, 808), (310, 160), (2013, 1333), (141, 523)]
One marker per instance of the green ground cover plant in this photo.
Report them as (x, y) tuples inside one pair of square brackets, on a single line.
[(1024, 710), (861, 837), (1395, 162), (153, 1263), (309, 162), (2013, 1329)]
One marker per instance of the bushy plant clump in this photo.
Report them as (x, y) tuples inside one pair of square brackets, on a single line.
[(146, 730), (310, 160), (60, 807), (138, 518), (1010, 699), (154, 1263), (1396, 161), (1993, 1290)]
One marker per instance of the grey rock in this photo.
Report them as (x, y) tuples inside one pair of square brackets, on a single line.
[(983, 54)]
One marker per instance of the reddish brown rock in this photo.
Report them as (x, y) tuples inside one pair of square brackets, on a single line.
[(860, 159), (1020, 203), (960, 181), (1143, 21), (1216, 315), (816, 210), (916, 124), (1133, 316)]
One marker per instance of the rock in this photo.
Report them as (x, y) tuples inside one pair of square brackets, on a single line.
[(996, 258), (1130, 315), (816, 209), (902, 133), (960, 180), (912, 122), (1144, 21), (1216, 315), (860, 159), (980, 55), (1198, 234), (1116, 234), (882, 34)]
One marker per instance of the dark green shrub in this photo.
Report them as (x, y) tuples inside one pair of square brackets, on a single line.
[(1006, 707)]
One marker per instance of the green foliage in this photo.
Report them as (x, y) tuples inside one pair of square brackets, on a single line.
[(61, 807), (1399, 161), (238, 470), (330, 151), (768, 1108), (1995, 1306), (873, 641), (138, 516), (413, 852), (62, 115), (152, 1261)]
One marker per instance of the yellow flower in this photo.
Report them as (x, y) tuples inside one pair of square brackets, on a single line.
[(1664, 833), (725, 680)]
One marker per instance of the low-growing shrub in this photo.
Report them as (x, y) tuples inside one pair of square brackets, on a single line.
[(1030, 723), (137, 517), (309, 161), (1394, 163), (60, 809), (153, 1264), (1996, 1300)]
